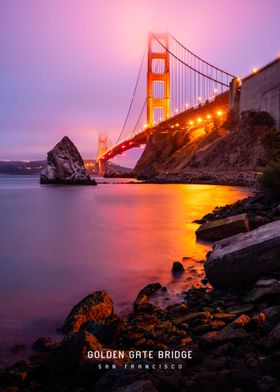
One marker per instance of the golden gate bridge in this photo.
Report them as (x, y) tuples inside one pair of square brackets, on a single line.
[(175, 82)]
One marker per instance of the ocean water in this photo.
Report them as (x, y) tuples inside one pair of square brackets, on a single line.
[(60, 243)]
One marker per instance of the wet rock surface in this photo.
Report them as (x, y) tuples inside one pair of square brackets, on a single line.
[(233, 336), (261, 208), (242, 259), (65, 166), (223, 228), (235, 345), (96, 307)]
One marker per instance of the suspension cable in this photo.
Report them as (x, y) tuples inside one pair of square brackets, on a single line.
[(199, 58), (187, 65), (133, 96)]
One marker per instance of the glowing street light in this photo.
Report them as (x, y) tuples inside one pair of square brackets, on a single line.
[(215, 90), (254, 70), (191, 122), (199, 120), (176, 110), (187, 105), (199, 99), (208, 116), (219, 113)]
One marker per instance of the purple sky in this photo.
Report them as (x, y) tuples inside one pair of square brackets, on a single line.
[(68, 67)]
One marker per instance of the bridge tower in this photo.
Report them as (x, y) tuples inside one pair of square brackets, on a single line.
[(102, 147), (156, 53)]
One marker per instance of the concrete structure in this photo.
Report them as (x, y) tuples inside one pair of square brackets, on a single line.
[(223, 228), (242, 259), (260, 91)]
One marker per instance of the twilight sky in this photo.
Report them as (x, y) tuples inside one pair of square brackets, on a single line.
[(68, 67)]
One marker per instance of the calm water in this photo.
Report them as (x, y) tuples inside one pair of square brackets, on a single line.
[(58, 244)]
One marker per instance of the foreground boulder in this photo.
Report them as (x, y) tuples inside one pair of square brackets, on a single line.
[(223, 228), (97, 307), (65, 166), (242, 259), (142, 301)]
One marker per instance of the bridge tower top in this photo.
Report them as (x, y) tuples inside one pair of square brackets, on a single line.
[(158, 77)]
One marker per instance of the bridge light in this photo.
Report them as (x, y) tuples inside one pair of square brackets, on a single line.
[(123, 146), (215, 90), (199, 120), (142, 146), (187, 105), (199, 99), (176, 110), (191, 122), (254, 70)]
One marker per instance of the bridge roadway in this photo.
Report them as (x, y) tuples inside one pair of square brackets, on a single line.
[(216, 108)]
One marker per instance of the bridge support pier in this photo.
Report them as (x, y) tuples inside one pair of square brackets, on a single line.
[(101, 167)]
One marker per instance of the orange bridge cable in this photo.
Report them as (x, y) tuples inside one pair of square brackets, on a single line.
[(133, 96), (187, 65), (201, 59)]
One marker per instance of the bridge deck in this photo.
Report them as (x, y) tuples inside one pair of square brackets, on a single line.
[(200, 114)]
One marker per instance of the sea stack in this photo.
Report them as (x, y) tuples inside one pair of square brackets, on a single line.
[(65, 166)]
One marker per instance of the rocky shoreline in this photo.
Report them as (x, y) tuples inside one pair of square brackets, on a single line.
[(233, 336), (244, 179)]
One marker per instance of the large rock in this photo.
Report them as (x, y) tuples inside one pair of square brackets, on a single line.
[(223, 228), (65, 166), (144, 296), (97, 306), (242, 259)]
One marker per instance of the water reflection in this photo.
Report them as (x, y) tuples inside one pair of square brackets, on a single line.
[(58, 244)]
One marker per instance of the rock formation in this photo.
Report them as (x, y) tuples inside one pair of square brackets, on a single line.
[(203, 154), (223, 228), (95, 307), (65, 166), (242, 259)]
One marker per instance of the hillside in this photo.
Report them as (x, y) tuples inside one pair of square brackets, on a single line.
[(35, 167), (212, 153)]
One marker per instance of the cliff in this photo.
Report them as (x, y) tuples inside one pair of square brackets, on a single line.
[(185, 153)]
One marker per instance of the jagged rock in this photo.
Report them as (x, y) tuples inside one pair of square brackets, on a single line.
[(242, 259), (97, 306), (228, 334), (144, 296), (65, 166), (223, 228), (68, 354)]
